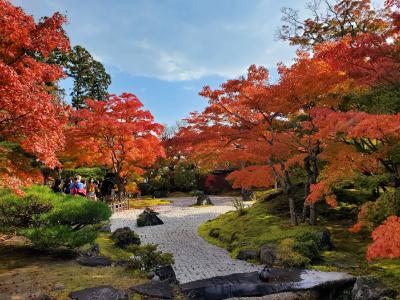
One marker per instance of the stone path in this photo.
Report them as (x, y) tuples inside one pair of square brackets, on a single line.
[(194, 258)]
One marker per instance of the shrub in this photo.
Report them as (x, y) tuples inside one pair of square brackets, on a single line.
[(238, 204), (289, 257), (61, 235), (148, 258), (123, 237), (21, 212), (307, 244), (386, 205), (77, 211), (49, 219)]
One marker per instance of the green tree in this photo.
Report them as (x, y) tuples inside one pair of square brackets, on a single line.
[(90, 77)]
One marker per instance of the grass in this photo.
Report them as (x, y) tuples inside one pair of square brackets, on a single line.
[(147, 202), (267, 222)]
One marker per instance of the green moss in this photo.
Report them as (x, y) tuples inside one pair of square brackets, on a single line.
[(108, 248), (147, 202), (258, 226), (24, 271), (267, 222)]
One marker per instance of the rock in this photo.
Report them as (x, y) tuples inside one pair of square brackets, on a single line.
[(370, 288), (166, 273), (122, 263), (250, 284), (326, 242), (104, 292), (155, 278), (248, 254), (105, 228), (148, 218), (58, 287), (93, 251), (123, 237), (154, 289), (203, 200), (41, 296), (94, 261), (304, 295), (214, 232), (265, 275), (267, 255)]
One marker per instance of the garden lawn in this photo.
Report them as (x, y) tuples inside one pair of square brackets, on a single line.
[(266, 222)]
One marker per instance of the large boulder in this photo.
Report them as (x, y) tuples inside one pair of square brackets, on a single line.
[(123, 237), (154, 289), (203, 200), (166, 273), (148, 218), (248, 254), (267, 255), (325, 241), (370, 288), (104, 292), (94, 261), (93, 251)]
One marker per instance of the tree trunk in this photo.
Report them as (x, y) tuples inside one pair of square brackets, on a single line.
[(292, 209), (121, 187), (311, 167), (312, 214)]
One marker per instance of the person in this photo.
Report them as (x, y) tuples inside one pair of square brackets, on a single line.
[(76, 187), (91, 189), (56, 186), (67, 184)]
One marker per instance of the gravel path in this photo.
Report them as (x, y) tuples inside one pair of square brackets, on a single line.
[(194, 257)]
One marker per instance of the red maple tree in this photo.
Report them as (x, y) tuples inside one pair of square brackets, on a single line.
[(30, 114), (116, 133)]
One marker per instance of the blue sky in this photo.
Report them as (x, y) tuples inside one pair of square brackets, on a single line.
[(165, 51)]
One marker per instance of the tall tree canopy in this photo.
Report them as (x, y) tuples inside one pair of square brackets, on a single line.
[(89, 75), (116, 133), (30, 115)]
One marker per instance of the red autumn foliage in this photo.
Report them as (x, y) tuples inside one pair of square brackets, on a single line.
[(386, 238), (116, 133), (30, 114)]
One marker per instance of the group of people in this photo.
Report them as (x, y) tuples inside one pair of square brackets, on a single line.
[(78, 186)]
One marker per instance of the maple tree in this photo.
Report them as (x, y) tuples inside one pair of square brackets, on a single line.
[(30, 114), (386, 238), (116, 133), (331, 21)]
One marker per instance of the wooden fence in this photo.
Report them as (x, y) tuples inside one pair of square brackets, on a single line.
[(119, 206)]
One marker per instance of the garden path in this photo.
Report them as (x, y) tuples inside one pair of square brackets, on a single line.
[(194, 257)]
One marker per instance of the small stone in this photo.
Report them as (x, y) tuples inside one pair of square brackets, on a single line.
[(156, 278), (58, 287), (94, 261)]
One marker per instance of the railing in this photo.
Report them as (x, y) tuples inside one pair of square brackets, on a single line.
[(119, 206)]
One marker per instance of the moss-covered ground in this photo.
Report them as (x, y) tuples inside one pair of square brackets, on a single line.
[(147, 202), (267, 222), (25, 271)]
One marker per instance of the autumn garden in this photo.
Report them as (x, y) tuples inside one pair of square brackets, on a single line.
[(310, 162)]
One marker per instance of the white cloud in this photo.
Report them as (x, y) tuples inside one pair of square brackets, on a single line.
[(175, 40)]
